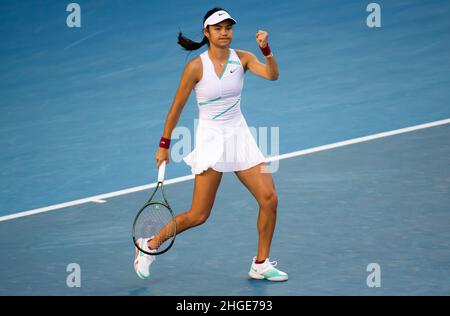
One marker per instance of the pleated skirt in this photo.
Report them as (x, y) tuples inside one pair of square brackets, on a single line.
[(223, 146)]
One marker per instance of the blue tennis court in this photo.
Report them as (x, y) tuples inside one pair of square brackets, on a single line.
[(83, 110)]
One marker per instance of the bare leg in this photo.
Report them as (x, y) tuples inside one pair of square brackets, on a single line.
[(205, 188), (261, 185)]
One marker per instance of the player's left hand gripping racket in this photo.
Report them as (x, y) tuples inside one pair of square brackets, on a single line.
[(156, 218)]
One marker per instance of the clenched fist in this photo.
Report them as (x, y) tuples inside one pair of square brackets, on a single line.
[(261, 38)]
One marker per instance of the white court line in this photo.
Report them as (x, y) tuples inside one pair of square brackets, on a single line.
[(359, 140), (105, 196), (99, 201)]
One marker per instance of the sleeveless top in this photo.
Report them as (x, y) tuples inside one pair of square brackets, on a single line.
[(219, 97)]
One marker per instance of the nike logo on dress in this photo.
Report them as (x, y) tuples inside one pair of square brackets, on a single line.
[(232, 70), (221, 14)]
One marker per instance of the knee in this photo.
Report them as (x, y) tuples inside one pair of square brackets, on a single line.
[(269, 200)]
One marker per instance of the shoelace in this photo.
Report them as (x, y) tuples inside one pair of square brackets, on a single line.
[(268, 265)]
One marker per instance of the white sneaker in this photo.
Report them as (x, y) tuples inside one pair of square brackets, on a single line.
[(142, 261), (266, 270)]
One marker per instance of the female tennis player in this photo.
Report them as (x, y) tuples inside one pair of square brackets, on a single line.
[(223, 140)]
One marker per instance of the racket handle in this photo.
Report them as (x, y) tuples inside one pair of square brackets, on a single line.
[(161, 171)]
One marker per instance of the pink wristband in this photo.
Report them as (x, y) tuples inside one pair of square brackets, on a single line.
[(164, 142), (266, 50)]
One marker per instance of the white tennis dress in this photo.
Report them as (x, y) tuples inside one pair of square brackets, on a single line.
[(223, 140)]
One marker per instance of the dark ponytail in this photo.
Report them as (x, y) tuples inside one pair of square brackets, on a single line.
[(189, 44)]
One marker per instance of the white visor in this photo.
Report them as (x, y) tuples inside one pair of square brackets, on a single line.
[(218, 17)]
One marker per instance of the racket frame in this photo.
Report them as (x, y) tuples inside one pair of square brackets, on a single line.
[(165, 204)]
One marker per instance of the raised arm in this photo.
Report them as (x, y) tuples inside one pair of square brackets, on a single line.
[(269, 70)]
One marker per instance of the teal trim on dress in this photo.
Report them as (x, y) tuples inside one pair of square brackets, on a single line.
[(226, 109), (225, 67), (209, 101)]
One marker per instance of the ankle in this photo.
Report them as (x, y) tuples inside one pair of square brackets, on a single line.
[(150, 245)]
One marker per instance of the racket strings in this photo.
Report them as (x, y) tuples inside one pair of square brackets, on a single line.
[(162, 218), (156, 220)]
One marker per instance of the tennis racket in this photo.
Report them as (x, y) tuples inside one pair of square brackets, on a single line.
[(156, 218)]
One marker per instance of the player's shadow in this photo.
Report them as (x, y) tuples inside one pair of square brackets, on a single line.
[(141, 291), (261, 287)]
